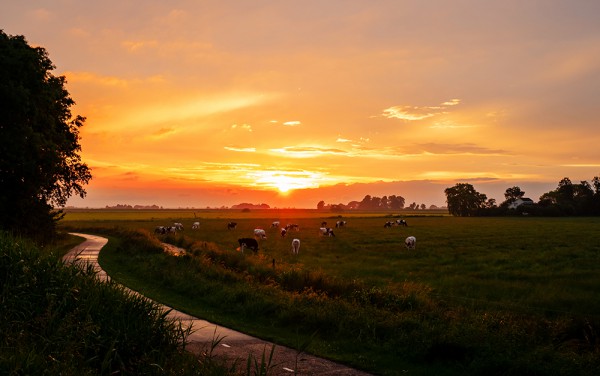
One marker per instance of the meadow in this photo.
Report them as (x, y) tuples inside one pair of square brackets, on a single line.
[(478, 295)]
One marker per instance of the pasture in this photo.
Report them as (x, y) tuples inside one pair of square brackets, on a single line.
[(547, 264), (537, 268)]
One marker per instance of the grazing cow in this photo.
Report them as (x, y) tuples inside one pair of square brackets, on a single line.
[(160, 230), (401, 222), (411, 242), (275, 224), (231, 225), (295, 246), (283, 232), (260, 233), (340, 224), (292, 226), (195, 225), (178, 226), (171, 229), (388, 224), (248, 243), (326, 231)]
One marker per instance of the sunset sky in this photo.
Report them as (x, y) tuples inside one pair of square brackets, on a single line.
[(214, 103)]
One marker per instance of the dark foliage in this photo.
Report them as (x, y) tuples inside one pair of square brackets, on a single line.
[(568, 199), (463, 200), (40, 167)]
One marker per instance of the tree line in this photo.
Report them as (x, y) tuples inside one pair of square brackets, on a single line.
[(369, 202), (568, 199)]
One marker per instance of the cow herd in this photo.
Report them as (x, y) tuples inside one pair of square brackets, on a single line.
[(252, 243)]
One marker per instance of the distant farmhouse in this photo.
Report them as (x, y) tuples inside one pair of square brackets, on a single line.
[(520, 201)]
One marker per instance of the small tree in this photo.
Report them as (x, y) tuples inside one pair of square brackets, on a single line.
[(511, 195), (40, 166), (463, 200)]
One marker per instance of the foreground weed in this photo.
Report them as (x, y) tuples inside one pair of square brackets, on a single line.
[(262, 368)]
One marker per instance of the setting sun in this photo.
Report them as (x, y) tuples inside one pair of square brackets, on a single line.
[(197, 105), (285, 181)]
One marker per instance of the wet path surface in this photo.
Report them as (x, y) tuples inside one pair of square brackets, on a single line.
[(232, 345)]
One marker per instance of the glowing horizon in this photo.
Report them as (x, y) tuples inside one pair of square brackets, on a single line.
[(212, 104)]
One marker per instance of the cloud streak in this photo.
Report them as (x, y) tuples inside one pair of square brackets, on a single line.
[(415, 113)]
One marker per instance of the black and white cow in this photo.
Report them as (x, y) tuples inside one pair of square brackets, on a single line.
[(260, 233), (401, 222), (326, 231), (340, 224), (231, 225), (250, 243), (292, 226)]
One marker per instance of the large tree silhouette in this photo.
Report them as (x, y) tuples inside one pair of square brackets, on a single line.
[(463, 200), (40, 166)]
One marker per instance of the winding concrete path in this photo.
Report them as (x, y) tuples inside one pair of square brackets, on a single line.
[(233, 345)]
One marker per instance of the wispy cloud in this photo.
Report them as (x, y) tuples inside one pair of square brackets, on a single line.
[(467, 148), (595, 165), (306, 151), (447, 124), (451, 102), (247, 150), (292, 123), (243, 126), (163, 132), (414, 113)]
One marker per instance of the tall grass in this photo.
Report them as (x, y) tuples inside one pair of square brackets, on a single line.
[(57, 319), (414, 324)]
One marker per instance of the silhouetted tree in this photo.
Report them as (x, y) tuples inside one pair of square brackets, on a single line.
[(511, 195), (321, 205), (365, 204), (40, 166), (463, 200), (396, 202), (572, 199)]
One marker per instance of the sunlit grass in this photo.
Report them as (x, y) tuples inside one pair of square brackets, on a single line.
[(483, 287)]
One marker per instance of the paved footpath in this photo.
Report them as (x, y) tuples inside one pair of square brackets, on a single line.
[(233, 345)]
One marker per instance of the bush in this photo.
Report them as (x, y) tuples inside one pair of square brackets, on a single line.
[(59, 319)]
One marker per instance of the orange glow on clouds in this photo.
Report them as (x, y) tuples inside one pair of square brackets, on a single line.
[(211, 104)]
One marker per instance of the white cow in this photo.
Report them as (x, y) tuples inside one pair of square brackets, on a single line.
[(411, 242), (178, 226), (260, 233), (195, 225), (275, 224), (295, 246)]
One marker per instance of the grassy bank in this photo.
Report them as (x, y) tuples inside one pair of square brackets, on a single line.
[(456, 307), (60, 320)]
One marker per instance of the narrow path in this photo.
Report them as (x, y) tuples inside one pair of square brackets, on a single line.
[(233, 345)]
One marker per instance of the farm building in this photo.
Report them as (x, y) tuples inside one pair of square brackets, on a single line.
[(520, 201)]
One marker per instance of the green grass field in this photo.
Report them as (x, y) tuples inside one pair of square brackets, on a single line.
[(541, 270)]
